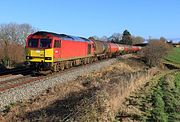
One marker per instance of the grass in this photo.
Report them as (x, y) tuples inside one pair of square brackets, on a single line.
[(159, 100), (174, 56), (165, 99)]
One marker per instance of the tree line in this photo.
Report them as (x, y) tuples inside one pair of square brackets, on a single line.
[(12, 42), (124, 38)]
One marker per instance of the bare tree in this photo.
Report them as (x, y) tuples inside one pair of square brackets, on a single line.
[(12, 41), (15, 32), (154, 52), (137, 39), (116, 37), (95, 37), (163, 39), (1, 50), (23, 31), (104, 38)]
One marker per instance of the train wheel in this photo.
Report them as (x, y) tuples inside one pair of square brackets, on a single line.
[(58, 67), (70, 64), (74, 63), (88, 61), (55, 67), (62, 66), (85, 61), (91, 60), (67, 65)]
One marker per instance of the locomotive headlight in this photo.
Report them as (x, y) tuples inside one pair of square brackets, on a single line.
[(48, 58), (27, 57)]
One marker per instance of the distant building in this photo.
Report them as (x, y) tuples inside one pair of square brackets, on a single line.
[(176, 44)]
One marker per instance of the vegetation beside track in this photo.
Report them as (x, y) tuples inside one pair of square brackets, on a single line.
[(91, 97), (158, 100), (173, 57)]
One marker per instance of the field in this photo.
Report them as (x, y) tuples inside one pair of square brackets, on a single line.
[(173, 57)]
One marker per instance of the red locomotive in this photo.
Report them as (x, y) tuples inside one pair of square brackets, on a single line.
[(47, 50)]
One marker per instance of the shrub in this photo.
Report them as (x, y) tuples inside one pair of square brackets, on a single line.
[(154, 52), (11, 54)]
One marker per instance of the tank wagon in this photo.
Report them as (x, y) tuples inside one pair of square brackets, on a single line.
[(55, 52)]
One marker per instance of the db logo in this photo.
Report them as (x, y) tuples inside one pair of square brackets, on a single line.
[(56, 51)]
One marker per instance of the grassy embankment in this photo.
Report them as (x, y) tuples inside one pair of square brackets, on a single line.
[(159, 99), (166, 97), (174, 57)]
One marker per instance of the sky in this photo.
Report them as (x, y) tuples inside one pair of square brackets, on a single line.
[(146, 18)]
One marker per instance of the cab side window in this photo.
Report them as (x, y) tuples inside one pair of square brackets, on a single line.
[(57, 44)]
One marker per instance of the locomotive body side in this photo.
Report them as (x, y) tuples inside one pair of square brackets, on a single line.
[(45, 50), (72, 49)]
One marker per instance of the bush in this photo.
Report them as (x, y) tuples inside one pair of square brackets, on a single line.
[(11, 54), (12, 42), (154, 52)]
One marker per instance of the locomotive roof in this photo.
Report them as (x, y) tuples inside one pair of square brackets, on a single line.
[(63, 36)]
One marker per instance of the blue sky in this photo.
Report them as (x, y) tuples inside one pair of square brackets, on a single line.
[(145, 18)]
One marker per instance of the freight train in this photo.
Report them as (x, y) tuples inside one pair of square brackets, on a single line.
[(55, 52)]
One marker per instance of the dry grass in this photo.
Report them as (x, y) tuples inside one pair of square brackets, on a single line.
[(92, 97), (104, 103), (48, 97)]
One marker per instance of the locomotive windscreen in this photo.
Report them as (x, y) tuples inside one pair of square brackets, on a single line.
[(33, 42), (45, 43)]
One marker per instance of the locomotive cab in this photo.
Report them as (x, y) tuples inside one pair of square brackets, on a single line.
[(39, 52)]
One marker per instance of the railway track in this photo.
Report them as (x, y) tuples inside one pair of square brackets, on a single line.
[(11, 83), (11, 74), (16, 82), (8, 84), (16, 71), (26, 79), (13, 77)]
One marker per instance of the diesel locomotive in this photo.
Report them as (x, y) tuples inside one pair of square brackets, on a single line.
[(55, 52)]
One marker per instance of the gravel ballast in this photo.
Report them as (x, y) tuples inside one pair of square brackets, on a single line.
[(10, 77), (28, 91)]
